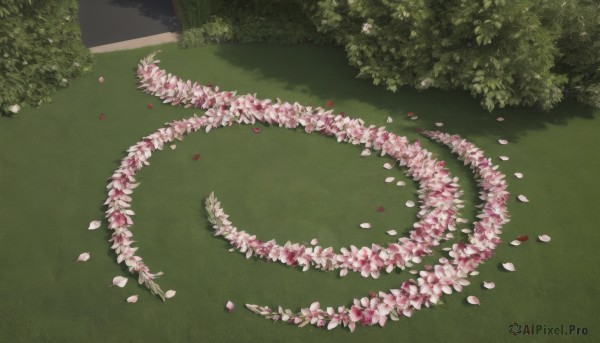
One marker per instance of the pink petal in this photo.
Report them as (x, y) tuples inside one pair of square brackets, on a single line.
[(439, 124), (522, 198), (489, 285), (515, 243), (365, 225), (414, 272), (519, 175), (392, 232), (544, 238), (329, 104), (256, 129), (388, 166), (343, 272), (170, 293), (314, 241), (500, 118), (230, 306), (132, 299), (410, 203), (509, 266), (503, 141), (102, 116), (473, 300), (94, 225), (119, 281), (410, 114), (389, 179), (195, 157), (83, 257), (365, 152), (503, 158), (389, 120), (380, 209)]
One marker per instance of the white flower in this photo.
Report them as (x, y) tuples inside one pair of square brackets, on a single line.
[(366, 28), (14, 108), (426, 83)]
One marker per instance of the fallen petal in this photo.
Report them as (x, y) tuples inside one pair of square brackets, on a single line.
[(389, 179), (83, 257), (523, 238), (101, 79), (388, 166), (132, 299), (473, 273), (365, 152), (196, 157), (119, 281), (473, 300), (365, 225), (439, 124), (329, 104), (410, 114), (503, 158), (414, 272), (410, 203), (173, 146), (102, 116), (343, 272), (509, 266), (503, 141), (150, 105), (314, 241), (380, 209), (170, 293), (500, 118), (522, 198), (94, 225), (400, 183), (230, 306), (256, 129), (519, 175), (392, 232), (414, 118), (515, 243), (544, 238), (488, 285), (389, 120)]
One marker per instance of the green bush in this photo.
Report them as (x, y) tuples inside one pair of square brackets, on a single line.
[(40, 51), (216, 30), (526, 52)]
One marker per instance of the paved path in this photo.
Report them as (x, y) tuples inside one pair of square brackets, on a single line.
[(104, 22)]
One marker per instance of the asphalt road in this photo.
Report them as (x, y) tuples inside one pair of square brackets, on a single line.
[(110, 21)]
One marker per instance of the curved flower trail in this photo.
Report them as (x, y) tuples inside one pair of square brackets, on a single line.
[(439, 200)]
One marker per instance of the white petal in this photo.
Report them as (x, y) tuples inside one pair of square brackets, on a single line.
[(503, 158), (173, 146), (500, 119), (519, 175), (387, 166), (392, 232), (389, 120), (473, 273), (509, 266), (343, 272), (489, 285), (389, 179), (544, 238), (465, 230), (119, 281), (365, 225), (515, 243), (94, 225), (439, 124), (473, 300), (410, 203), (230, 306), (83, 257), (522, 198), (414, 118), (400, 183), (170, 293), (365, 152), (503, 141), (132, 299), (314, 241), (101, 79), (414, 272)]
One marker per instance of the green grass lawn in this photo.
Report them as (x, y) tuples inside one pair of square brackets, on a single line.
[(279, 184)]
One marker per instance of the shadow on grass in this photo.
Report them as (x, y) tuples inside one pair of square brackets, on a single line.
[(324, 72)]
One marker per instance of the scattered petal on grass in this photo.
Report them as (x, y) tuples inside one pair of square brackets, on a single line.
[(256, 129), (519, 175), (343, 272), (462, 220), (522, 198), (314, 241), (410, 203), (173, 146), (439, 124), (150, 105), (503, 141), (465, 230), (392, 232), (400, 183), (102, 116), (503, 158), (94, 225), (515, 243), (414, 272), (101, 79), (132, 299), (410, 114), (170, 293), (365, 152), (119, 281), (473, 300), (473, 273), (389, 179), (365, 225), (509, 266), (544, 238), (523, 238), (428, 267), (389, 120), (329, 104), (83, 257), (388, 166), (447, 249), (500, 118), (414, 118), (488, 285), (195, 157), (230, 306), (380, 209)]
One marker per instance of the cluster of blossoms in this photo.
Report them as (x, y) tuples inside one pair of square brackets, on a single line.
[(438, 197)]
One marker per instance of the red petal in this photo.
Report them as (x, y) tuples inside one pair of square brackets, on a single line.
[(150, 106), (410, 114), (102, 116), (523, 238), (372, 294), (256, 129), (380, 209), (329, 104), (196, 157)]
